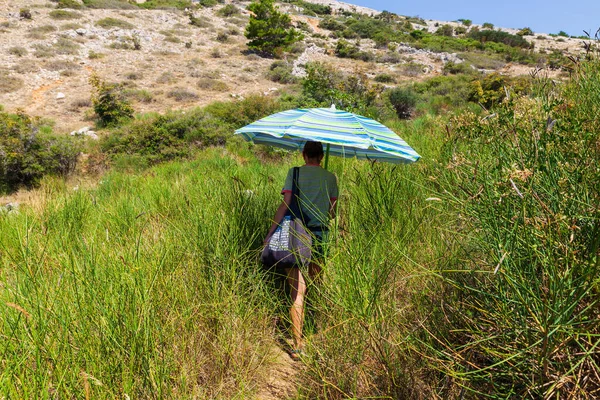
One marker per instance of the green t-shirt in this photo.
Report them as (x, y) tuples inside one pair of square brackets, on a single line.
[(317, 187)]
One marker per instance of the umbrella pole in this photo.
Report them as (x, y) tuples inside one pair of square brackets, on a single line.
[(327, 156)]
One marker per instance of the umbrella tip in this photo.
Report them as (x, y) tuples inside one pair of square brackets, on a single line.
[(332, 107)]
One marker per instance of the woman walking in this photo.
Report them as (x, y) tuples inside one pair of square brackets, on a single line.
[(318, 193)]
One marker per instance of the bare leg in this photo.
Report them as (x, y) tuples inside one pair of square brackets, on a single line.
[(298, 291)]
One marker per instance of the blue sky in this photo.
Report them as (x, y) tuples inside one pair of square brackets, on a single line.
[(549, 16)]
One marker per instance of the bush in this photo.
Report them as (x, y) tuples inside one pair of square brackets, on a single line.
[(9, 83), (445, 30), (457, 68), (26, 155), (64, 15), (74, 4), (404, 101), (492, 89), (229, 10), (199, 22), (385, 78), (487, 25), (18, 51), (500, 37), (222, 37), (212, 84), (331, 24), (525, 32), (281, 72), (110, 22), (325, 85), (165, 4), (182, 94), (344, 49), (110, 104)]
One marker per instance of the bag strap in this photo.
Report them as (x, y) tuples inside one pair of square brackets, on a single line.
[(294, 206)]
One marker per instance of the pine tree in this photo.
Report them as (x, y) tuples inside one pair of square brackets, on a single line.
[(269, 30)]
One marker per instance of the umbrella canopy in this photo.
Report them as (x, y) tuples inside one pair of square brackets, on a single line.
[(344, 133)]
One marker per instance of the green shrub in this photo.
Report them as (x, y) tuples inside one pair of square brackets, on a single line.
[(487, 25), (281, 72), (74, 4), (385, 78), (109, 4), (110, 104), (445, 30), (492, 89), (404, 101), (344, 49), (182, 94), (325, 85), (457, 68), (317, 9), (331, 24), (465, 22), (229, 10), (110, 22), (165, 4), (141, 95), (269, 30), (64, 15), (212, 84), (26, 155), (222, 37), (525, 32), (199, 22), (500, 37), (18, 51)]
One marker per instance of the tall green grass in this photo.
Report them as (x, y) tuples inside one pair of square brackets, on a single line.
[(145, 285), (524, 321)]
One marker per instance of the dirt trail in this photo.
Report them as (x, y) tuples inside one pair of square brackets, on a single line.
[(281, 382)]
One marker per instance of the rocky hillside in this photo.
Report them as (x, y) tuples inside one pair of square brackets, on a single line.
[(167, 62)]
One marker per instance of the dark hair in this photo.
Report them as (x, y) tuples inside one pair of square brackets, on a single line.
[(313, 150)]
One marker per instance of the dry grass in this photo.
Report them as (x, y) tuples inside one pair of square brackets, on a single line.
[(166, 78), (182, 95), (212, 84), (64, 15), (60, 65), (26, 66), (18, 51), (9, 83)]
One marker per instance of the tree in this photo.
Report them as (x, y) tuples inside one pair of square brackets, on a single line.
[(268, 30)]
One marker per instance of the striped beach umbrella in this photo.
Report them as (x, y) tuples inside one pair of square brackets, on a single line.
[(344, 134)]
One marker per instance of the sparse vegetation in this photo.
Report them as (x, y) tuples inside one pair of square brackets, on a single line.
[(385, 78), (9, 83), (182, 94), (281, 72), (110, 22), (64, 15), (229, 10), (212, 84), (18, 51)]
